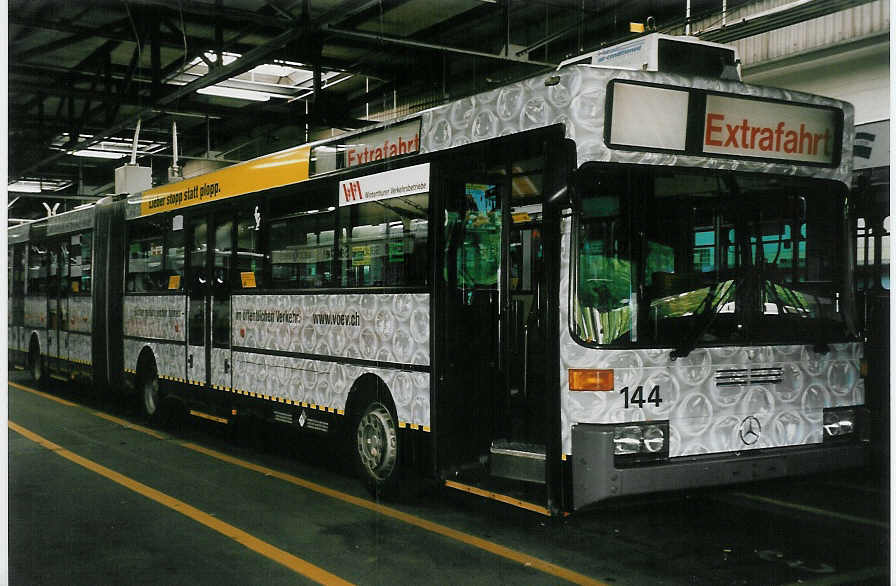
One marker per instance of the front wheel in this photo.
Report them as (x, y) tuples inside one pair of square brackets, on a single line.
[(376, 449), (150, 398)]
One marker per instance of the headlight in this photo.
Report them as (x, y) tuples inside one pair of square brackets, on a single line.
[(636, 443), (627, 440), (838, 422), (654, 440)]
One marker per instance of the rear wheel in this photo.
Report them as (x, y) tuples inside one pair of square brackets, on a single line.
[(148, 387), (36, 363), (376, 449)]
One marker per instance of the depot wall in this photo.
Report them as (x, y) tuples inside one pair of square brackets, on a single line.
[(860, 76)]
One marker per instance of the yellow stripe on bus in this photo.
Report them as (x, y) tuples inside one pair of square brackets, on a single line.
[(249, 541), (275, 170)]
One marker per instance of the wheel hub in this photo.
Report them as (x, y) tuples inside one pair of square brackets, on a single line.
[(377, 442)]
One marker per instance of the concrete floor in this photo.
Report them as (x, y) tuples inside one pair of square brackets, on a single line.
[(70, 524)]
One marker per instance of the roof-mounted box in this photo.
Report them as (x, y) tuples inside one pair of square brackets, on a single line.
[(668, 54)]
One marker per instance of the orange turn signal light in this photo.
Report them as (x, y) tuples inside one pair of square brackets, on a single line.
[(589, 379), (863, 368)]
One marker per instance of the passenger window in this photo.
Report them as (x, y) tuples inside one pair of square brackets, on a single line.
[(18, 285), (145, 253), (80, 251), (302, 231), (37, 270), (174, 254), (473, 236), (384, 243), (249, 255)]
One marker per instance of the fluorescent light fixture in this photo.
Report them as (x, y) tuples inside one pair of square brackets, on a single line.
[(110, 148), (230, 92), (279, 79), (25, 187), (37, 186), (274, 69), (90, 153)]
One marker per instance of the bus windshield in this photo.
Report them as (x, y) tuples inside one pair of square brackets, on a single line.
[(681, 258)]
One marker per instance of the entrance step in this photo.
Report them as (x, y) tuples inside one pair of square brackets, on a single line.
[(518, 461)]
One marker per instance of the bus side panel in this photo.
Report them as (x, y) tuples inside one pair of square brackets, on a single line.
[(156, 321), (324, 385), (80, 342), (312, 348), (35, 322), (108, 288)]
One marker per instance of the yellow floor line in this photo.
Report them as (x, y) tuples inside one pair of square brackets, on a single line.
[(249, 541), (471, 540), (498, 497), (491, 547), (130, 425), (808, 509), (42, 394), (852, 486)]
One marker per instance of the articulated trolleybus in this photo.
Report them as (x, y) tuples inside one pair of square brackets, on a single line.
[(628, 275)]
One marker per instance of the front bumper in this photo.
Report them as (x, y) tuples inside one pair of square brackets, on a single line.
[(595, 476)]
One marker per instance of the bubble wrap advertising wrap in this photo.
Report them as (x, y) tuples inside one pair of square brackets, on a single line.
[(578, 101)]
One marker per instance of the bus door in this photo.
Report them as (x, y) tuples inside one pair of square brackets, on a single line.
[(208, 331), (57, 307), (493, 345), (198, 310), (471, 327), (525, 307)]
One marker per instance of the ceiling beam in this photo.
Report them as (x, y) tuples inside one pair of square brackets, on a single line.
[(167, 40), (246, 62)]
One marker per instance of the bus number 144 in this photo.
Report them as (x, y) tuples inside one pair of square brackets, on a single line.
[(637, 396)]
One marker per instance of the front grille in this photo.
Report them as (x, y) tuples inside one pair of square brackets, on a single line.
[(731, 377)]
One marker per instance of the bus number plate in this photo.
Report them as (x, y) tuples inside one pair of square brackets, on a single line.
[(636, 397)]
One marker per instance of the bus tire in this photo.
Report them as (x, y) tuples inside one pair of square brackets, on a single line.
[(36, 363), (376, 455), (148, 390)]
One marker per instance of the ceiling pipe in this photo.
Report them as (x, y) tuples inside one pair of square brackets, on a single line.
[(24, 195), (421, 45)]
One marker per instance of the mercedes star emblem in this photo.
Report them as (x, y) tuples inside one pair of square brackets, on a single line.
[(750, 428)]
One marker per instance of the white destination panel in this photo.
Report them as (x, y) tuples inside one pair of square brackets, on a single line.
[(771, 130), (649, 117), (396, 183)]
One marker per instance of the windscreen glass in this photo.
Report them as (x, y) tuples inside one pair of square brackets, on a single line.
[(677, 258)]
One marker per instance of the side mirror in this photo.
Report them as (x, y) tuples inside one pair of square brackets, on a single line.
[(199, 284), (221, 282)]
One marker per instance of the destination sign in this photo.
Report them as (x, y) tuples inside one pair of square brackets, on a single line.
[(759, 128), (368, 147)]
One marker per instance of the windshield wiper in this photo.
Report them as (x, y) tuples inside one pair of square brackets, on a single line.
[(790, 295), (707, 316)]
